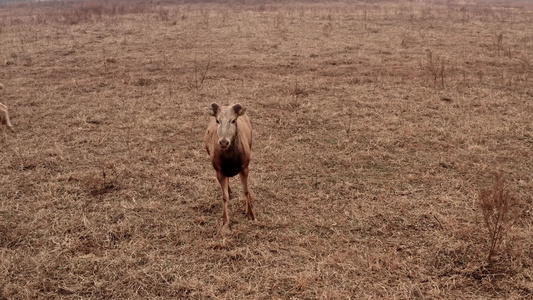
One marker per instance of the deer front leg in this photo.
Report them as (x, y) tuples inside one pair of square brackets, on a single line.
[(229, 188), (248, 198), (224, 184), (4, 119)]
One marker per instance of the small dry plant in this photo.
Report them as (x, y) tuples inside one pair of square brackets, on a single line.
[(199, 75), (500, 48), (499, 43), (99, 185), (435, 67), (500, 212)]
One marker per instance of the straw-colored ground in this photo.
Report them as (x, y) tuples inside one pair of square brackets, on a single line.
[(376, 125)]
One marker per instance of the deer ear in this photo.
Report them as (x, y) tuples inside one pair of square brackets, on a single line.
[(238, 109), (214, 109)]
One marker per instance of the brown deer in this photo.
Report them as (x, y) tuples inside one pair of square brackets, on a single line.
[(4, 116), (228, 141)]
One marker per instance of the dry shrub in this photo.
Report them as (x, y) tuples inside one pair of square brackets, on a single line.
[(92, 11), (199, 75), (500, 212), (435, 67), (499, 43)]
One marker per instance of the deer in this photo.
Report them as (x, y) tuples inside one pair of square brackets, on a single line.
[(228, 141), (4, 116)]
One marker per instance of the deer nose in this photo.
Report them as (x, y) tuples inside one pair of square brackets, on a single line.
[(224, 143)]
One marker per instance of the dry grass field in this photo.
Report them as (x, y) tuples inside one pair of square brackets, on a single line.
[(377, 125)]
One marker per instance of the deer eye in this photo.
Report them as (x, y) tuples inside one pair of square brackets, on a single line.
[(218, 121), (234, 120)]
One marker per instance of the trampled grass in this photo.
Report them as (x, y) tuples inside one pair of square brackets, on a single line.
[(376, 124)]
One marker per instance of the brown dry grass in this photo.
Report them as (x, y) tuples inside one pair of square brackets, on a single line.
[(375, 125)]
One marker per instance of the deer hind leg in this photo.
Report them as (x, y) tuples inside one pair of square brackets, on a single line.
[(8, 123), (224, 184), (248, 198), (5, 120)]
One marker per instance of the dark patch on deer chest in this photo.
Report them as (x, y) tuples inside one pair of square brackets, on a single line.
[(230, 163)]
